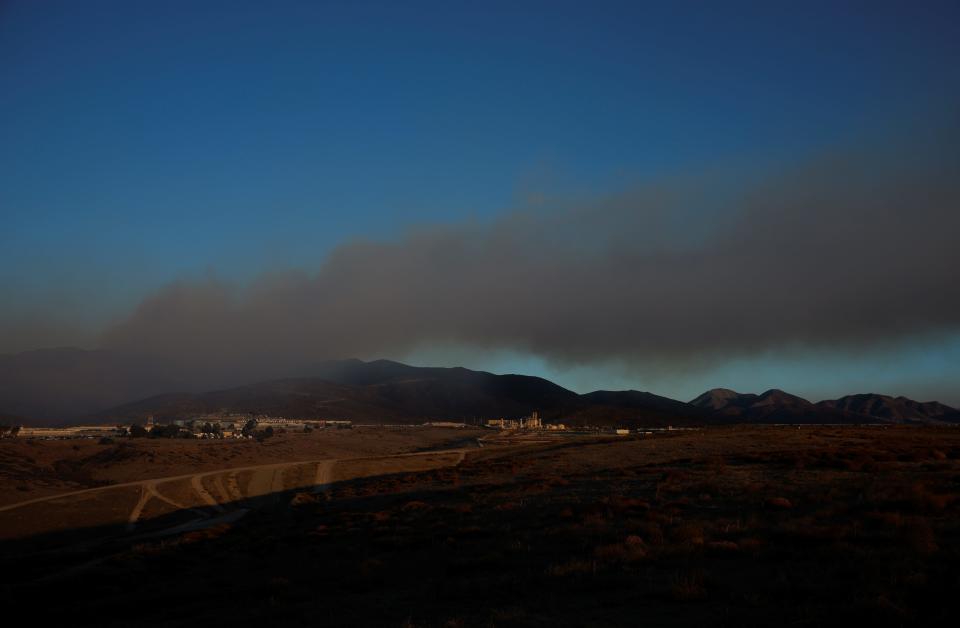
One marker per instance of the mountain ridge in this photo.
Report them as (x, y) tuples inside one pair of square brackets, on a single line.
[(776, 405), (68, 385)]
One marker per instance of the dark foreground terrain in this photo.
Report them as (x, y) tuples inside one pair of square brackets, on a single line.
[(726, 526)]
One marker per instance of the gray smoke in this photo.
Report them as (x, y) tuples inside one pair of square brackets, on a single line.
[(844, 251)]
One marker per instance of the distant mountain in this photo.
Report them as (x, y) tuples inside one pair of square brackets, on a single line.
[(719, 398), (777, 406), (773, 406), (295, 398), (380, 391), (11, 419), (390, 392), (72, 385), (893, 409), (60, 385), (634, 407), (359, 373)]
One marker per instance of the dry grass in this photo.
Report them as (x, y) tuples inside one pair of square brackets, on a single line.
[(729, 527)]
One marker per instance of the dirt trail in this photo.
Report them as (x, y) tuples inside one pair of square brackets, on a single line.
[(149, 491), (135, 513), (197, 483), (233, 486), (276, 484), (324, 476), (152, 487), (230, 473), (266, 479), (225, 496)]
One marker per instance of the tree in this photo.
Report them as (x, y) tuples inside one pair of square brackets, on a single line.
[(249, 428), (264, 434), (137, 431), (165, 431)]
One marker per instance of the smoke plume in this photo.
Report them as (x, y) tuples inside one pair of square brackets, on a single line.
[(845, 250)]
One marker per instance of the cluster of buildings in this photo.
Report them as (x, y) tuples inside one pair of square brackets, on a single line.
[(61, 433), (232, 426), (220, 426), (532, 422)]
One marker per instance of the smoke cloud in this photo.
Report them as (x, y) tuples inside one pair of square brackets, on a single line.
[(846, 250)]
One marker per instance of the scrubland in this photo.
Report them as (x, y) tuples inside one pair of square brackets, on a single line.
[(729, 526), (37, 468)]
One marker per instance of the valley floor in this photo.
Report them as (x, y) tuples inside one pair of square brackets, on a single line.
[(727, 526)]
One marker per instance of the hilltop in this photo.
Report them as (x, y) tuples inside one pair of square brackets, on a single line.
[(73, 385)]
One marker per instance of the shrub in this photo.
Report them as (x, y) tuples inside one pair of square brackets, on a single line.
[(919, 536), (688, 533), (688, 587), (572, 568), (925, 500), (751, 544), (650, 531), (301, 499), (621, 552), (724, 547), (781, 503), (137, 431)]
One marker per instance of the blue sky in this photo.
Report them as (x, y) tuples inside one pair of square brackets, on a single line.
[(144, 142)]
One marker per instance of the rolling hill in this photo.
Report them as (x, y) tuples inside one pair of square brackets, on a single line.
[(63, 385), (893, 409), (73, 385), (389, 392), (777, 406)]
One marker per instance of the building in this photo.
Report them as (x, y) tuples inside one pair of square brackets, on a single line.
[(505, 424), (532, 422)]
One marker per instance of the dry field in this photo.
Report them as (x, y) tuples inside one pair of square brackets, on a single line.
[(733, 527), (35, 468), (53, 486)]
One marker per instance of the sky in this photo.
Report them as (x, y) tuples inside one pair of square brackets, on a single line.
[(661, 196)]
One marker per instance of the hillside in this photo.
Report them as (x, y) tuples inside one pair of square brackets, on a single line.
[(60, 385), (71, 385), (776, 406), (634, 407), (385, 392), (893, 409)]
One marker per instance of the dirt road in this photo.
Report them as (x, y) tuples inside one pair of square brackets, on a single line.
[(226, 488)]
